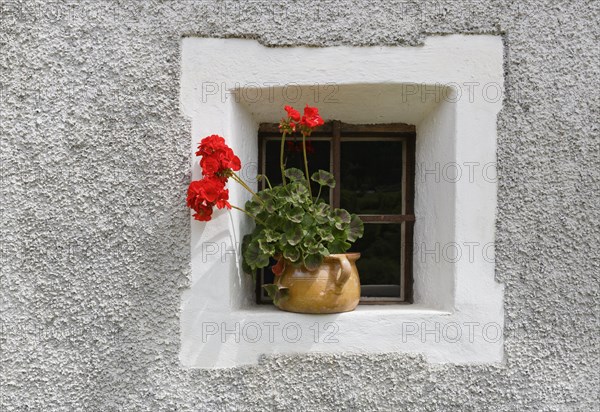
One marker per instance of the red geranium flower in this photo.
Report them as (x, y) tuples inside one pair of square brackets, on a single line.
[(210, 144), (311, 117), (203, 213), (204, 194), (212, 189), (292, 113), (210, 165), (229, 160), (217, 158)]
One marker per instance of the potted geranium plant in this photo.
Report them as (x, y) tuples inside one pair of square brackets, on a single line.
[(306, 236)]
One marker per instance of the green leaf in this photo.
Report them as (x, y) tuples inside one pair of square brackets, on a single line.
[(327, 237), (293, 236), (266, 247), (254, 208), (270, 205), (356, 228), (300, 188), (291, 253), (313, 261), (245, 266), (276, 292), (321, 219), (343, 215), (294, 174), (271, 235), (321, 212), (266, 194), (323, 250), (322, 208), (271, 289), (255, 257), (262, 261), (311, 248), (341, 218), (297, 192), (338, 246), (339, 234), (324, 178), (307, 220), (317, 248), (275, 222), (295, 214)]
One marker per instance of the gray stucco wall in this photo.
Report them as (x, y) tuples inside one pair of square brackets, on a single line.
[(95, 234)]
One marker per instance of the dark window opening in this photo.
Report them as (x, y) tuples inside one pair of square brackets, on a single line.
[(374, 166)]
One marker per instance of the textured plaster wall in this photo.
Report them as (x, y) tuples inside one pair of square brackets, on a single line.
[(95, 235)]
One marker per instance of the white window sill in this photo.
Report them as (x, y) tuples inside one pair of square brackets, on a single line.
[(360, 311), (232, 338)]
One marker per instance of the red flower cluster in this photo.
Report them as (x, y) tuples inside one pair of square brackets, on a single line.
[(307, 122), (218, 163), (292, 113), (311, 117), (217, 158), (292, 120), (203, 195)]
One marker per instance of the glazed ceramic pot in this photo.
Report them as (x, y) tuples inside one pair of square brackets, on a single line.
[(332, 288)]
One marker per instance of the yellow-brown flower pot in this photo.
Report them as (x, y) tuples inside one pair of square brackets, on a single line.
[(333, 287)]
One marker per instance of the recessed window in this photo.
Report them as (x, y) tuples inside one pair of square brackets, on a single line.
[(431, 87), (374, 170)]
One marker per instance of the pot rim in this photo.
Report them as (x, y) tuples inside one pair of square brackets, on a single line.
[(335, 256), (350, 256)]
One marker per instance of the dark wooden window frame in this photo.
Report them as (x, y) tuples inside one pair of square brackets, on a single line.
[(336, 132)]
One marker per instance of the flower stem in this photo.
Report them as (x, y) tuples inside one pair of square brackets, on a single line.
[(252, 216), (245, 186), (281, 157), (268, 181), (319, 194), (306, 164)]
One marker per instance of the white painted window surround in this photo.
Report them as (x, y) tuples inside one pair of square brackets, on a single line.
[(451, 89)]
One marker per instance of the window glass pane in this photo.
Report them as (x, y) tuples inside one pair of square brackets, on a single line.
[(371, 177), (371, 184), (318, 154), (380, 250)]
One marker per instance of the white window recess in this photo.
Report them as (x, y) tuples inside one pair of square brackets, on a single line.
[(451, 89)]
